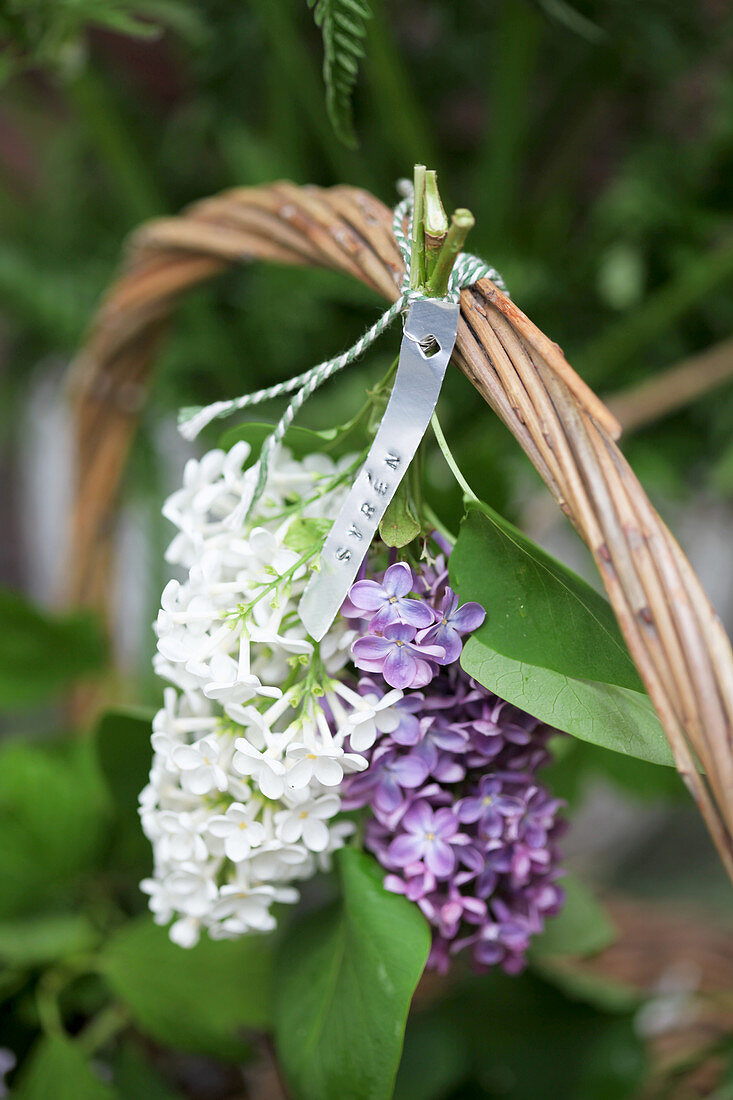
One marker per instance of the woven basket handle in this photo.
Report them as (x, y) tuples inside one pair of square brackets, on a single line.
[(679, 646)]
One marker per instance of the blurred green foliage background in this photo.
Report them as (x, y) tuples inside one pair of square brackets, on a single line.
[(594, 144), (593, 140)]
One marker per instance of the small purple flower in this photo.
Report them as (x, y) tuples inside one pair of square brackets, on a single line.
[(445, 767), (546, 897), (505, 942), (439, 958), (526, 861), (447, 736), (453, 621), (384, 780), (428, 836), (402, 662), (433, 575), (497, 860), (411, 728), (538, 818), (458, 907), (415, 886), (388, 600), (502, 938), (490, 807)]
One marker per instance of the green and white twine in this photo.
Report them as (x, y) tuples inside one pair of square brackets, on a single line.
[(467, 270)]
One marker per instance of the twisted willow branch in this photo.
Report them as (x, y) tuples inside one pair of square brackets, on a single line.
[(674, 636)]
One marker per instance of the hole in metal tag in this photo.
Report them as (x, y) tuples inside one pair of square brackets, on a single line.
[(429, 346)]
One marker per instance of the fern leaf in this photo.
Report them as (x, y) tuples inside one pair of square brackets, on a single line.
[(342, 24)]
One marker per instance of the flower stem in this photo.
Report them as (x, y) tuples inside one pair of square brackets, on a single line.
[(417, 242), (461, 223), (98, 1033), (438, 524), (452, 464), (436, 223)]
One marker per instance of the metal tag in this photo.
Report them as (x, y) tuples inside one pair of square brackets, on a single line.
[(427, 345)]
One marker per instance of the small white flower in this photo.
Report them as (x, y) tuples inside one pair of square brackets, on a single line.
[(268, 557), (266, 768), (241, 908), (324, 763), (337, 835), (233, 463), (277, 862), (161, 904), (185, 932), (289, 642), (201, 766), (238, 829), (335, 649), (230, 683), (180, 837), (184, 681), (184, 623), (174, 722), (308, 821), (371, 715), (190, 503), (192, 889)]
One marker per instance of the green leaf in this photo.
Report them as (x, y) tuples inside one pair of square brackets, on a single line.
[(581, 928), (37, 941), (577, 763), (436, 1057), (344, 982), (581, 984), (301, 441), (305, 531), (122, 740), (338, 441), (613, 717), (57, 1068), (197, 1000), (54, 817), (122, 23), (522, 1039), (41, 654), (135, 1078), (342, 24), (399, 524), (537, 610)]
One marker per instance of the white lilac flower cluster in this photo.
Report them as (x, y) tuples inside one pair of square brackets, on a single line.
[(249, 746)]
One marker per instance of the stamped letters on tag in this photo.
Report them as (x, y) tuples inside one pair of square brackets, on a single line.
[(427, 345)]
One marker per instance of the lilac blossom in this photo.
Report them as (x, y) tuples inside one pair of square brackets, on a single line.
[(389, 600), (402, 662), (427, 837), (386, 778), (459, 822), (410, 728), (453, 621), (490, 806)]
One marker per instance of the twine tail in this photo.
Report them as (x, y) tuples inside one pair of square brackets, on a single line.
[(194, 419)]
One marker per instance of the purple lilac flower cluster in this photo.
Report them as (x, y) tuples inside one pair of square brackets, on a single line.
[(459, 821), (409, 639)]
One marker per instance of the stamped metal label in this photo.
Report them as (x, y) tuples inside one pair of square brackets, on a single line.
[(427, 345)]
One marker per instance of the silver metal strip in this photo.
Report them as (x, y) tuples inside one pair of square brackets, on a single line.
[(422, 366)]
